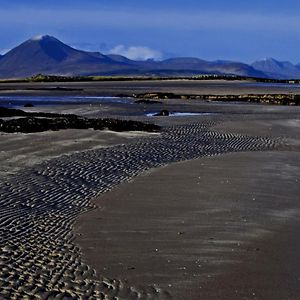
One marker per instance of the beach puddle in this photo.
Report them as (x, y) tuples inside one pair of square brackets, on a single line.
[(20, 101), (181, 114)]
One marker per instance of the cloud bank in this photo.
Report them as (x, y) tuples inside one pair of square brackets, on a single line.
[(136, 52)]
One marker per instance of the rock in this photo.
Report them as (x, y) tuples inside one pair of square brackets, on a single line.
[(162, 113), (33, 123), (28, 105), (144, 101)]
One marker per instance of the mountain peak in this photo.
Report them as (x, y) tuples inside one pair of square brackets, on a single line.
[(269, 59), (42, 38), (47, 55), (277, 69)]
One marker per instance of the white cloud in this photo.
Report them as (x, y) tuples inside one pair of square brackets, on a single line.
[(136, 52)]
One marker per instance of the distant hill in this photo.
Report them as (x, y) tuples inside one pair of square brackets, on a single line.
[(120, 58), (277, 69), (47, 55)]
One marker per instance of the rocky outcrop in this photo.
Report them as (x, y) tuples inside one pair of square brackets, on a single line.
[(147, 101), (28, 105), (39, 122), (279, 99), (162, 113)]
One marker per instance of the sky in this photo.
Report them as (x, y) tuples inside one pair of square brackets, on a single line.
[(158, 29)]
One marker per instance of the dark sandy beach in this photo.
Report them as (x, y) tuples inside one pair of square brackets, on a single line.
[(113, 88), (222, 227), (206, 209)]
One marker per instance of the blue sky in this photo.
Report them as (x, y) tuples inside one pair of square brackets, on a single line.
[(214, 29)]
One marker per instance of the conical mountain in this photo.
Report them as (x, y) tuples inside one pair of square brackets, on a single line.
[(46, 54)]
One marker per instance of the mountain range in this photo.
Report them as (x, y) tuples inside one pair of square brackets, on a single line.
[(48, 55)]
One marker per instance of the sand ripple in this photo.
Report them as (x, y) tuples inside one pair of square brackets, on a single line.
[(38, 258)]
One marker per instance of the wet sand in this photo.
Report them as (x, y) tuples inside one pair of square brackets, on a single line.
[(222, 227), (19, 151), (113, 88), (216, 228), (160, 230)]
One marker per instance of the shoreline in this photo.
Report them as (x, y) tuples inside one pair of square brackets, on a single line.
[(129, 88)]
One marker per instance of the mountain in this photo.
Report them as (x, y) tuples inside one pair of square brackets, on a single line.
[(195, 65), (46, 54), (49, 56), (277, 69), (120, 58)]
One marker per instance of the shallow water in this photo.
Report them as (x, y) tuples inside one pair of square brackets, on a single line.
[(273, 85), (181, 114), (20, 101)]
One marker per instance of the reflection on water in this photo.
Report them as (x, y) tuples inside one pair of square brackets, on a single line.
[(271, 85), (181, 114)]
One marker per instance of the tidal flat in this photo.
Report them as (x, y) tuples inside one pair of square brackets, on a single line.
[(207, 208)]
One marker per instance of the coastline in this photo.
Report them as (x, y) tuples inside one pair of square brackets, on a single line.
[(128, 88)]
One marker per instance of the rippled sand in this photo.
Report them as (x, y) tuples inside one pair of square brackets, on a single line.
[(40, 203)]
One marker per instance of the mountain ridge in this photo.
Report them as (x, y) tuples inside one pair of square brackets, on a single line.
[(47, 55), (274, 68)]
